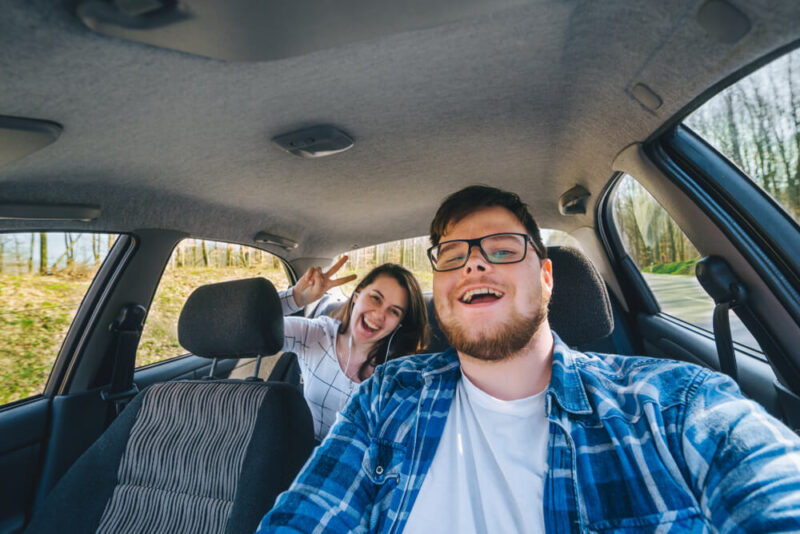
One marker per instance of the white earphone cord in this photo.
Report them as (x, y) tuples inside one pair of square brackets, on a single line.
[(389, 344)]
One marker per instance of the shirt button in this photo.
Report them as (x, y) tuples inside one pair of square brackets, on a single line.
[(379, 470)]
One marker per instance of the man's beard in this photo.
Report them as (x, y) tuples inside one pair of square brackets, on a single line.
[(507, 340)]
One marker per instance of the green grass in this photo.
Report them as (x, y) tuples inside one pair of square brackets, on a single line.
[(685, 267)]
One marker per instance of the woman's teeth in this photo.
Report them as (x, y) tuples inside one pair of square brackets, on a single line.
[(368, 325)]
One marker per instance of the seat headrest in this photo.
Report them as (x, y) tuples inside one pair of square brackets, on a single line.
[(238, 319), (580, 310)]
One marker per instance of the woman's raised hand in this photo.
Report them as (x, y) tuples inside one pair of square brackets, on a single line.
[(314, 283)]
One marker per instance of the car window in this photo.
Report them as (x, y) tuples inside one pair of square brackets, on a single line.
[(43, 279), (755, 123), (413, 255), (194, 263), (666, 259)]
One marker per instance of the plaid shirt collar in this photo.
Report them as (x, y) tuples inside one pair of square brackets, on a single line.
[(566, 385)]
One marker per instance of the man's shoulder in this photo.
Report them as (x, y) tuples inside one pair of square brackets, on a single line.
[(420, 365), (412, 371), (662, 381)]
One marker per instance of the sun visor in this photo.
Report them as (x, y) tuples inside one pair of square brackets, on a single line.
[(243, 30), (20, 137)]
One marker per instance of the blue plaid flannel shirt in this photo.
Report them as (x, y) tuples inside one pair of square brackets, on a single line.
[(636, 445)]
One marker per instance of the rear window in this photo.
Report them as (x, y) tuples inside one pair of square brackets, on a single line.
[(413, 255)]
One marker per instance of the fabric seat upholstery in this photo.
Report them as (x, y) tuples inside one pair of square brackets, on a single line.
[(194, 455)]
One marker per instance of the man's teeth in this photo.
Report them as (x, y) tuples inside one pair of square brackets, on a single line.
[(370, 325), (469, 295)]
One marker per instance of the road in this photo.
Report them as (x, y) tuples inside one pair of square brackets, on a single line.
[(684, 297)]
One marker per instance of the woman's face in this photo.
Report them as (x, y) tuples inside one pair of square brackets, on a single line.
[(377, 310)]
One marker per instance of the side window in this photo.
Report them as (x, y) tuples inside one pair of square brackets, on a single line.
[(194, 263), (755, 123), (413, 255), (666, 259), (43, 279)]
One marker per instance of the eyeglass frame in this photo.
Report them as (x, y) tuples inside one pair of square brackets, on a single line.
[(477, 241)]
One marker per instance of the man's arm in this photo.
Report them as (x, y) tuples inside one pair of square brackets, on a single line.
[(744, 463), (332, 492)]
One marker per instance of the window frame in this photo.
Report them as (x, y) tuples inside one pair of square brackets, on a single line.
[(287, 269)]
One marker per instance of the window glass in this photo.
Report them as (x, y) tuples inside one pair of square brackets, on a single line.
[(194, 263), (755, 123), (43, 279), (413, 255), (666, 259)]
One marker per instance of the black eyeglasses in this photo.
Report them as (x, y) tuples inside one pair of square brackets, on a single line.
[(495, 248)]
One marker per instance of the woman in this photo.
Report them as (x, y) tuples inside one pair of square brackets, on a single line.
[(383, 319)]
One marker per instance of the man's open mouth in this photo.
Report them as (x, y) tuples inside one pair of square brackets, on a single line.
[(480, 295)]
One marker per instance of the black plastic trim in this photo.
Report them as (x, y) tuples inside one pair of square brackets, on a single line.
[(88, 314)]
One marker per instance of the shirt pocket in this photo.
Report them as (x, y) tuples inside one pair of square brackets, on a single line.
[(686, 520), (382, 461)]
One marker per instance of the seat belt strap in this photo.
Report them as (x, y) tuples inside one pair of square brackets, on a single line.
[(724, 339), (722, 285), (127, 329)]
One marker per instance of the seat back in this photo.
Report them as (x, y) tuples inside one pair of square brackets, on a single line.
[(580, 309), (195, 455)]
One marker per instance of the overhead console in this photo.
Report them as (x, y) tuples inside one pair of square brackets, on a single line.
[(244, 30)]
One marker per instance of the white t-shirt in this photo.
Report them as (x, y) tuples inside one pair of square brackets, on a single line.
[(325, 386), (487, 475)]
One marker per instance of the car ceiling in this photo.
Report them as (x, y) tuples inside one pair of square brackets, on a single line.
[(535, 98)]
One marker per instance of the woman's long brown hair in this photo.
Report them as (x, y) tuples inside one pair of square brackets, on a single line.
[(412, 335)]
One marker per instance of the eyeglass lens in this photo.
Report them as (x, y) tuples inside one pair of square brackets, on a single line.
[(501, 248)]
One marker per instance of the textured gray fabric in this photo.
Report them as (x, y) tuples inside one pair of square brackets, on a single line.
[(534, 99), (180, 467), (236, 319), (580, 310)]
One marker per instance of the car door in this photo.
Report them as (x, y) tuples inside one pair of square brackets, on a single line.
[(50, 283), (680, 198)]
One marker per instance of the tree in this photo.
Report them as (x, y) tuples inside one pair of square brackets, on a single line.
[(205, 252), (42, 253)]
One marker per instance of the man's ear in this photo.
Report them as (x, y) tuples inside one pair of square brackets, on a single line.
[(546, 276)]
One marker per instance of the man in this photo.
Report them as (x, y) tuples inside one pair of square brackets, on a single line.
[(511, 431)]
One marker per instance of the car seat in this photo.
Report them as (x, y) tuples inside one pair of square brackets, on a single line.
[(194, 455)]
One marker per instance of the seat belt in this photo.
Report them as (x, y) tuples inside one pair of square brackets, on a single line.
[(717, 278), (127, 329)]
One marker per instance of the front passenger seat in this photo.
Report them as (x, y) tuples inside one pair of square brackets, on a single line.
[(194, 455)]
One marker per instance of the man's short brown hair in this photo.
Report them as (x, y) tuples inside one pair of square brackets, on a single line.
[(476, 197)]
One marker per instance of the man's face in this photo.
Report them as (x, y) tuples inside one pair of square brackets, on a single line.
[(496, 325)]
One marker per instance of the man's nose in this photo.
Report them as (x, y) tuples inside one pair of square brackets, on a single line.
[(475, 260)]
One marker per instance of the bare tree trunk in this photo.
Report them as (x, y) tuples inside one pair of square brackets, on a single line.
[(30, 255), (733, 131), (229, 255), (96, 248), (205, 252), (68, 251), (42, 253)]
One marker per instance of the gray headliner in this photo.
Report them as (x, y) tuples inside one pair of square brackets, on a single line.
[(534, 99)]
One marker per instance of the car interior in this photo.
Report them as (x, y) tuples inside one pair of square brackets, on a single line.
[(166, 166)]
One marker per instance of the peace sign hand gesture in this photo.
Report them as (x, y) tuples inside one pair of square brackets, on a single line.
[(314, 283)]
